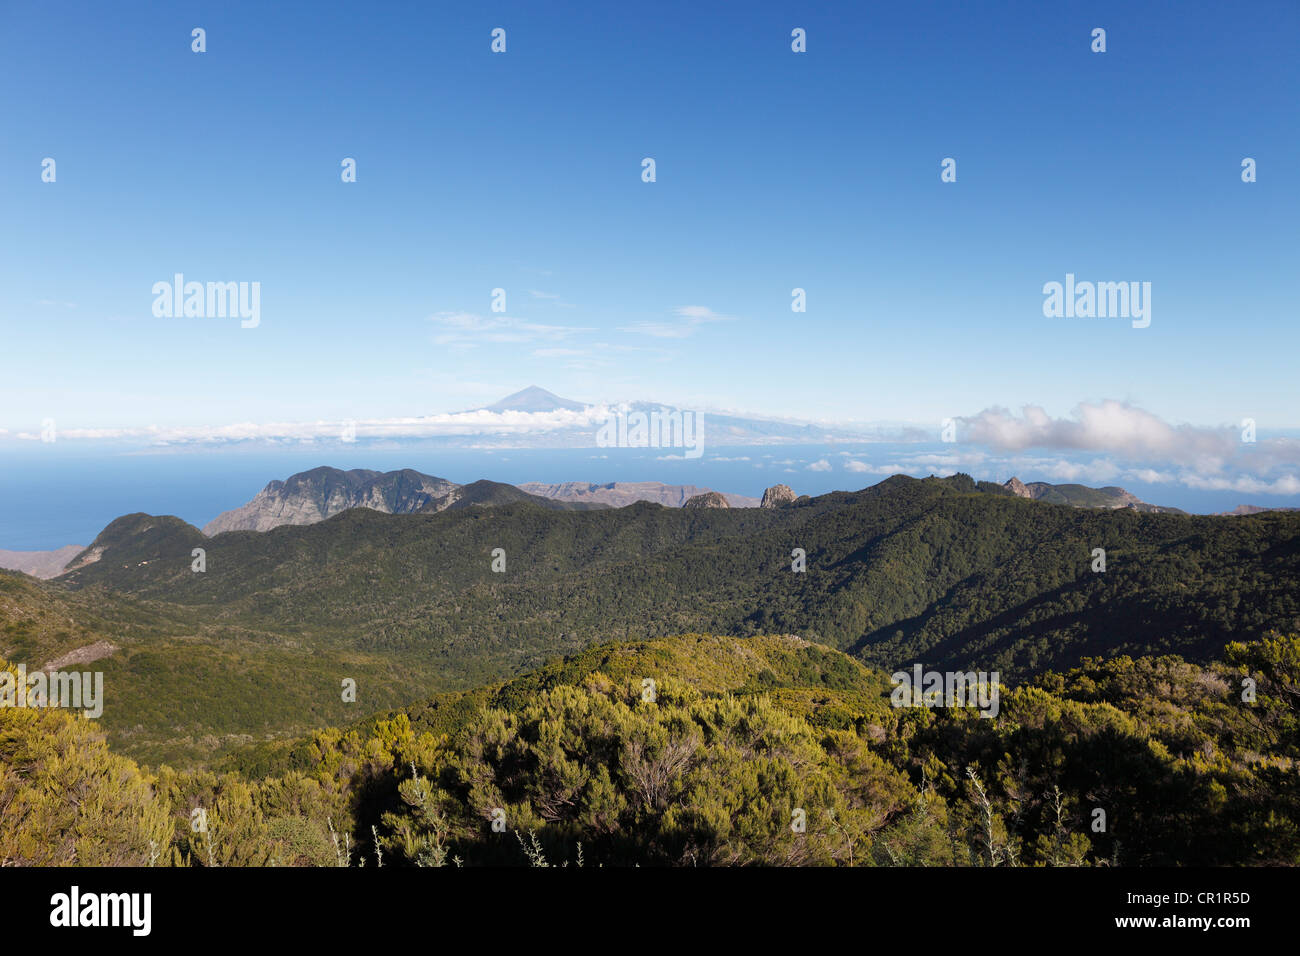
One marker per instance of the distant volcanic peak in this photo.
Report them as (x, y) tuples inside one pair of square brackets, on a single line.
[(534, 399)]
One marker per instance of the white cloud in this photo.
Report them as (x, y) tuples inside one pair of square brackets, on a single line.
[(691, 317), (660, 330), (550, 297), (1152, 477), (699, 313), (468, 330), (1109, 426), (1136, 445), (897, 468), (953, 460), (1283, 485), (1061, 470), (820, 465), (426, 426)]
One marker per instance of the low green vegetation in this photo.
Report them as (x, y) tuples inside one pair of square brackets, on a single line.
[(942, 572), (708, 750)]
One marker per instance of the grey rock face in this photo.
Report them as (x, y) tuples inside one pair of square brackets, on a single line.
[(1017, 488), (710, 499), (778, 496), (40, 564), (315, 495)]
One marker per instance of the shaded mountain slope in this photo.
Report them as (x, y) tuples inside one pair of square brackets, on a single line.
[(930, 570)]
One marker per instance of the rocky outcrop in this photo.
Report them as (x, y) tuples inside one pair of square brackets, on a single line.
[(619, 494), (321, 493), (89, 556), (312, 496), (82, 655), (1081, 496), (710, 499), (778, 496), (1017, 488)]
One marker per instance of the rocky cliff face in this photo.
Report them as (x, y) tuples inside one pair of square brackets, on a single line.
[(321, 493), (1017, 488), (710, 499), (312, 496), (40, 564), (618, 494), (777, 496), (315, 495)]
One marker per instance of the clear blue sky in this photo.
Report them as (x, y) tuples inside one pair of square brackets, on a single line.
[(522, 171)]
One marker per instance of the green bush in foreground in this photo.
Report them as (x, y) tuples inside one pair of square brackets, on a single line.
[(763, 751)]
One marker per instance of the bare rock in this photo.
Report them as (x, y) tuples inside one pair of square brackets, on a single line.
[(40, 564), (778, 496), (1017, 488), (82, 655), (710, 499)]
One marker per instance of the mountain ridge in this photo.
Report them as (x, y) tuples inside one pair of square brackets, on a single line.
[(322, 492), (940, 567), (311, 496), (40, 564), (618, 494), (1084, 496), (1252, 510)]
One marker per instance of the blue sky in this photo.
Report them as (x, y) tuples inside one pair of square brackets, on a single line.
[(522, 171)]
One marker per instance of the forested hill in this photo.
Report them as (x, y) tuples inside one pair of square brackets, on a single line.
[(938, 571)]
